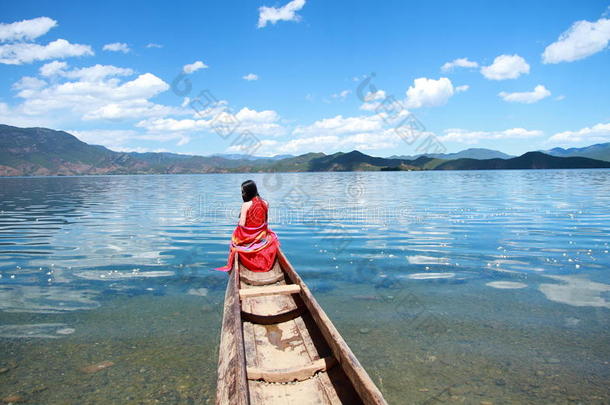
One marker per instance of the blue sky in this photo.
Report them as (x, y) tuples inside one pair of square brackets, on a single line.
[(513, 76)]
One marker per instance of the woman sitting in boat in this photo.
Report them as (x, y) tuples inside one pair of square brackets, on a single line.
[(253, 241)]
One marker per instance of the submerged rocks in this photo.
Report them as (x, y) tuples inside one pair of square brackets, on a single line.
[(13, 399), (94, 368)]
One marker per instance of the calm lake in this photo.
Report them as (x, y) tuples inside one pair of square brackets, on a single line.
[(460, 287)]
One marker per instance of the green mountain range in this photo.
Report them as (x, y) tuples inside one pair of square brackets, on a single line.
[(43, 152), (600, 151)]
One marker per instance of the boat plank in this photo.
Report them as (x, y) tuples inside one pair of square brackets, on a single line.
[(269, 290), (361, 381), (232, 387)]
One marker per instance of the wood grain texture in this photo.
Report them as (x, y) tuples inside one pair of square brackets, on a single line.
[(360, 379), (278, 346), (232, 387), (269, 290), (300, 373)]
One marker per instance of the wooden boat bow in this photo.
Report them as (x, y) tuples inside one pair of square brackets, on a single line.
[(278, 346)]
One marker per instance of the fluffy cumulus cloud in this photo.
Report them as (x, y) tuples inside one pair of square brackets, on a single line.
[(20, 53), (154, 45), (193, 67), (18, 49), (287, 12), (26, 30), (120, 140), (260, 123), (596, 134), (472, 137), (90, 93), (250, 77), (115, 139), (582, 39), (526, 97), (462, 88), (365, 133), (460, 62), (117, 47), (339, 125), (364, 141), (91, 73), (372, 100), (429, 92), (506, 67)]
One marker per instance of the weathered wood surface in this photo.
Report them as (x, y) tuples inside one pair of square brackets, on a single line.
[(285, 338), (368, 391), (300, 373), (261, 278), (269, 290), (232, 387)]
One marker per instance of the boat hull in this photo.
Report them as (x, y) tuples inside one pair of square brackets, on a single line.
[(278, 346)]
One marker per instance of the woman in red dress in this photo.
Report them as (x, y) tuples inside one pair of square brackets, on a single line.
[(252, 240)]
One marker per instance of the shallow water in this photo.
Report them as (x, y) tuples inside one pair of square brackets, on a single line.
[(465, 287)]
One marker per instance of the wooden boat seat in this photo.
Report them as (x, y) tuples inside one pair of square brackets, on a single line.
[(299, 373), (269, 290), (261, 278)]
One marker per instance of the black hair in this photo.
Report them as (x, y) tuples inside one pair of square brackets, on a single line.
[(248, 190)]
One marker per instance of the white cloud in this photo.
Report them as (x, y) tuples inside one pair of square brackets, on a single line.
[(372, 100), (471, 137), (153, 45), (119, 140), (429, 92), (506, 67), (582, 39), (29, 83), (364, 133), (527, 97), (361, 141), (275, 14), (375, 96), (342, 95), (114, 139), (250, 76), (91, 73), (26, 30), (341, 125), (92, 95), (193, 67), (462, 88), (19, 53), (117, 47), (16, 117), (595, 134), (264, 123), (52, 68), (460, 62)]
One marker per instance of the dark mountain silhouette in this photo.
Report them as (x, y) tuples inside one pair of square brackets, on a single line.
[(471, 153), (529, 160), (41, 151), (600, 151)]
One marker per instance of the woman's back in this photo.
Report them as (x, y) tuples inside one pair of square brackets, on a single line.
[(257, 213)]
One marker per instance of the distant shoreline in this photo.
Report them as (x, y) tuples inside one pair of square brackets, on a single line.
[(42, 152)]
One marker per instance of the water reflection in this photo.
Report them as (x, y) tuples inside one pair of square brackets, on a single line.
[(459, 267), (577, 291)]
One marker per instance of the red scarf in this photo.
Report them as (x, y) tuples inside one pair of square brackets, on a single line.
[(256, 244)]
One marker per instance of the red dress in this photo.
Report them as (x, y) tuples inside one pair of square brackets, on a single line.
[(256, 244)]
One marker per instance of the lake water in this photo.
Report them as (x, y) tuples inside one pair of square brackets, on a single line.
[(465, 287)]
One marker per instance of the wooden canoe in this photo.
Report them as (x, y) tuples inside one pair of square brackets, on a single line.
[(277, 345)]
